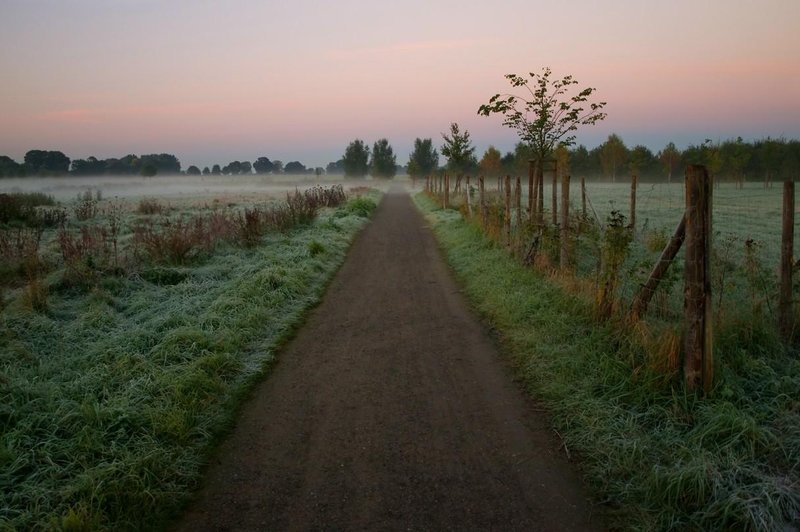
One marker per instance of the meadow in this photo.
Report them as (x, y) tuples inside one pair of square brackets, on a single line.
[(131, 329), (658, 457)]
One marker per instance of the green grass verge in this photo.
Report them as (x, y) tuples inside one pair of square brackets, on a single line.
[(111, 399), (656, 458)]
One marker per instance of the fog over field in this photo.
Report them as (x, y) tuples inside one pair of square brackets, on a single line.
[(177, 186)]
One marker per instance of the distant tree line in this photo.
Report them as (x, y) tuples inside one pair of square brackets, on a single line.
[(730, 160), (733, 160), (55, 163)]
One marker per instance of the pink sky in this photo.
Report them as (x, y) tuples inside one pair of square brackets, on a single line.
[(214, 82)]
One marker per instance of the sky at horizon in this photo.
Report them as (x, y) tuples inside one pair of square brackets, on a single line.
[(213, 82)]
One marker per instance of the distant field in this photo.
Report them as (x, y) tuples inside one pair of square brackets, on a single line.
[(753, 212), (170, 187)]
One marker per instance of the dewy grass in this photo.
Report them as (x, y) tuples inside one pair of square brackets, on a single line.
[(656, 458), (112, 397)]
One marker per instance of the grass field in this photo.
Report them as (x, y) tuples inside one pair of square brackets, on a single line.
[(657, 457), (120, 366)]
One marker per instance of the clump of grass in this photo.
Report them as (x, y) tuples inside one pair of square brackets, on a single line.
[(360, 206), (315, 248), (150, 206)]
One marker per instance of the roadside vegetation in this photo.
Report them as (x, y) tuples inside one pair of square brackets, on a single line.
[(657, 457), (130, 333)]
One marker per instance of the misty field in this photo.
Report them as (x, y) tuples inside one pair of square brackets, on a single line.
[(130, 330)]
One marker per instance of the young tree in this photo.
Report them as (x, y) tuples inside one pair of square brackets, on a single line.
[(424, 159), (491, 164), (735, 156), (561, 155), (356, 159), (459, 151), (547, 114), (613, 155), (383, 163), (670, 157), (641, 160), (581, 161)]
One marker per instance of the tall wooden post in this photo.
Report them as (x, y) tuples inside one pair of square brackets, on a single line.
[(634, 182), (698, 362), (518, 202), (785, 311), (467, 196), (531, 190), (540, 194), (564, 233), (507, 219), (555, 193), (583, 197), (484, 210)]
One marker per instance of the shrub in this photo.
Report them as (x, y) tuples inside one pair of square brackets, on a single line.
[(149, 206), (21, 207), (360, 206), (174, 242), (86, 209), (19, 253), (86, 254)]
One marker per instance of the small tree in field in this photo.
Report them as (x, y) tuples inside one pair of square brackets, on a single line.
[(384, 162), (459, 151), (423, 160), (548, 113), (356, 159)]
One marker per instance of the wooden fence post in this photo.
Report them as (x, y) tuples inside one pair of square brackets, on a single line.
[(507, 220), (540, 194), (583, 197), (555, 194), (531, 191), (469, 201), (634, 181), (564, 233), (698, 362), (518, 202), (785, 311), (484, 210)]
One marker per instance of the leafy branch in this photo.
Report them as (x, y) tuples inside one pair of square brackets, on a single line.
[(551, 113)]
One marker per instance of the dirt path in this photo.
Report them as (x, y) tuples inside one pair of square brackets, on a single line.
[(390, 410)]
